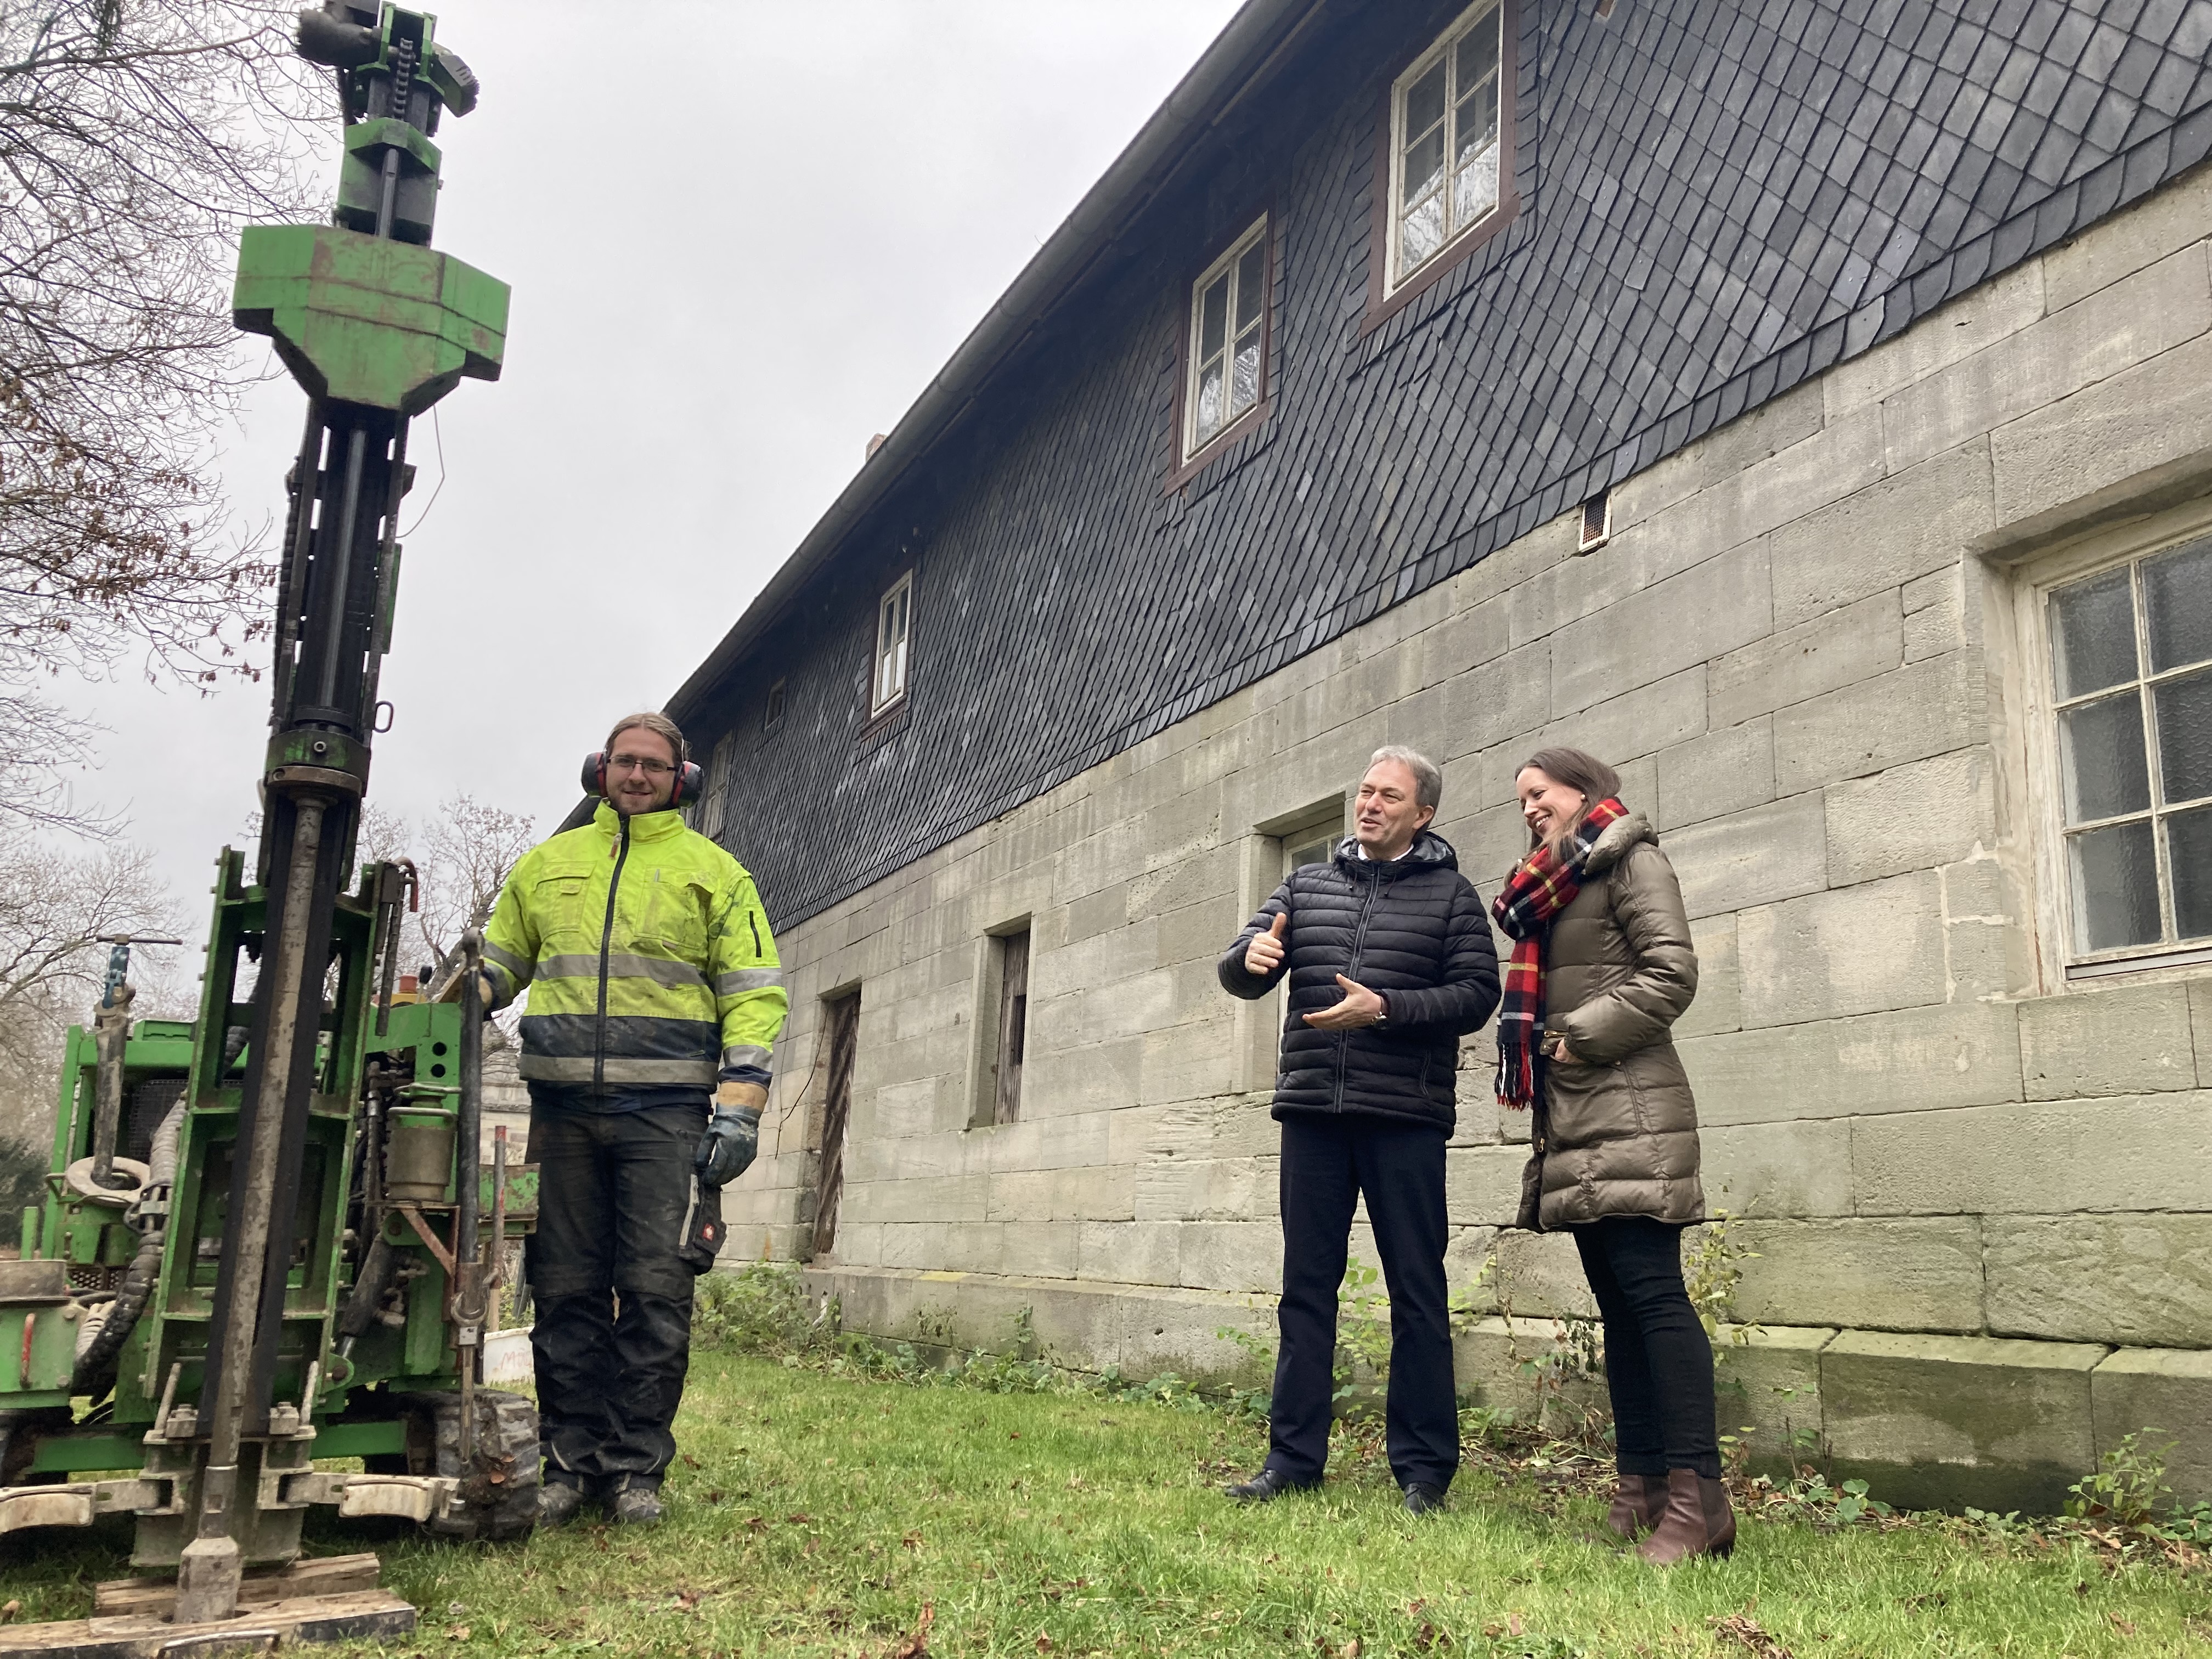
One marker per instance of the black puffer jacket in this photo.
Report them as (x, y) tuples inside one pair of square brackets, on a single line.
[(1413, 929)]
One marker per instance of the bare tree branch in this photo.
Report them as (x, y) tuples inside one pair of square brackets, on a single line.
[(136, 138)]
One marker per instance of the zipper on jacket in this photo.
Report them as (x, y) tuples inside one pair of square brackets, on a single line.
[(1374, 885), (606, 939)]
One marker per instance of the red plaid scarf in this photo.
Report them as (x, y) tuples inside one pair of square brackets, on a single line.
[(1534, 894)]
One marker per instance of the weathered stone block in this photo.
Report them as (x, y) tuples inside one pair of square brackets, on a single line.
[(1930, 1421), (2200, 1027), (1130, 1252), (1926, 708), (1723, 772), (1834, 649), (2131, 322), (1909, 817), (1719, 1006), (1777, 851), (1208, 1189), (1766, 1391), (1493, 1365), (1464, 1259), (1245, 1257), (1497, 701), (1971, 323), (1851, 951), (1916, 1273), (1800, 1168), (2168, 219), (2160, 1394), (2105, 432), (1883, 536), (2142, 1278), (1540, 1275), (1710, 609), (1917, 1059), (2130, 1152), (1175, 1331), (1482, 1184), (1935, 619), (1641, 722), (2134, 1041)]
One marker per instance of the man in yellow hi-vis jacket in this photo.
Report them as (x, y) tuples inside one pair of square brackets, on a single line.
[(655, 998)]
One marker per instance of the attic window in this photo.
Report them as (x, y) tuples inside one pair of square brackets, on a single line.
[(1446, 151), (773, 717), (1227, 351), (1597, 522), (894, 622)]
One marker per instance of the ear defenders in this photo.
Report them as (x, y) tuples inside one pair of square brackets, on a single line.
[(690, 780)]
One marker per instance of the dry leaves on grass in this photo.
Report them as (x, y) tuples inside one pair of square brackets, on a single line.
[(916, 1646), (1750, 1635), (1510, 1627)]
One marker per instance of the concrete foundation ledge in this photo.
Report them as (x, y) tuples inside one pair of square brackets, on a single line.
[(1929, 1421)]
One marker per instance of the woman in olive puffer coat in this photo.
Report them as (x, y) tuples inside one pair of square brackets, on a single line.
[(1601, 968)]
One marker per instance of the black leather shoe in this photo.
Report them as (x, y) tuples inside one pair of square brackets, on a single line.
[(1266, 1484), (1423, 1500)]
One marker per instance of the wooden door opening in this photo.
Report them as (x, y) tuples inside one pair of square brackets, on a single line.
[(843, 1017)]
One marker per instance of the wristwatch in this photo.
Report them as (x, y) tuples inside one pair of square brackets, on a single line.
[(1383, 1018)]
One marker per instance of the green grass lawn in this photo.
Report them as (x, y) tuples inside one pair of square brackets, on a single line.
[(814, 1515)]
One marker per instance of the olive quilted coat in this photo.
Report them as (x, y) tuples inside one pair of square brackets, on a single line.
[(1618, 1132)]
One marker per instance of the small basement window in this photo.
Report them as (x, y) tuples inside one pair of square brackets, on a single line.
[(1597, 522), (1228, 340), (893, 623), (2131, 668), (1445, 153)]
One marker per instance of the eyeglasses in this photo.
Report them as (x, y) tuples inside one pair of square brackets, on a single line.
[(651, 769)]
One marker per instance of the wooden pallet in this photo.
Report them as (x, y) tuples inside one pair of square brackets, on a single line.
[(332, 1600)]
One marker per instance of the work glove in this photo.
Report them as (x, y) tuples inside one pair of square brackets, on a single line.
[(726, 1151), (452, 991)]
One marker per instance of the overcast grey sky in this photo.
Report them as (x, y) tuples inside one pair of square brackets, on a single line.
[(742, 237)]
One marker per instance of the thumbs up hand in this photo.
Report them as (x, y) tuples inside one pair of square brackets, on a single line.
[(1265, 954)]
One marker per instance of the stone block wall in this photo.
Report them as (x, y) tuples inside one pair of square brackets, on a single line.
[(1980, 1197)]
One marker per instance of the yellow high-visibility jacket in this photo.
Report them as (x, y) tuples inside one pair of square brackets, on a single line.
[(650, 962)]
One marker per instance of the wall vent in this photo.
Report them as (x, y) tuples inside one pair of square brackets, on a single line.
[(1597, 522)]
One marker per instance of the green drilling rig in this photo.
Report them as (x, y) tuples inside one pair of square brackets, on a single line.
[(268, 1237)]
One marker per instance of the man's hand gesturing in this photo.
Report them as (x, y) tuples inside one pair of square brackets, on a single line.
[(1360, 1007), (1265, 954)]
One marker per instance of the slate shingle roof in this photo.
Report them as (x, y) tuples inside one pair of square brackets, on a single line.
[(1719, 201)]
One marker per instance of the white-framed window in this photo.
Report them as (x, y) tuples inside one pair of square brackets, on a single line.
[(2126, 672), (1228, 340), (1445, 154), (894, 624)]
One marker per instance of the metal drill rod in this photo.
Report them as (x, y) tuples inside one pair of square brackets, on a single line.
[(208, 1574)]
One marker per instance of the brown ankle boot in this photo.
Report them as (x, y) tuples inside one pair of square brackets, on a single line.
[(1636, 1503), (1682, 1531), (1719, 1517)]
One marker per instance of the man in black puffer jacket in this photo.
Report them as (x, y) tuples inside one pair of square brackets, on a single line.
[(1387, 950)]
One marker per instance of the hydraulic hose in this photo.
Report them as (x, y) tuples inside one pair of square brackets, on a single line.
[(107, 1326)]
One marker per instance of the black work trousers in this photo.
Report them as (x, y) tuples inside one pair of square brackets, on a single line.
[(612, 1337), (1326, 1165), (1658, 1362)]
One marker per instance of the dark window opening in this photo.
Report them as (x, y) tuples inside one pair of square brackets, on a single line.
[(842, 1033), (773, 717)]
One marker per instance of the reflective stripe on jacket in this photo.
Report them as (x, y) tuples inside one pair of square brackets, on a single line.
[(648, 956)]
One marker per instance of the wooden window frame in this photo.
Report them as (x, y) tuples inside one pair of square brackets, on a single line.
[(880, 706), (2062, 963), (1185, 467), (1264, 862), (994, 1093), (774, 710), (1386, 299)]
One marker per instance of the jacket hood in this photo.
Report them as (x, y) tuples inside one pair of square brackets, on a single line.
[(1429, 850), (1615, 841), (643, 826)]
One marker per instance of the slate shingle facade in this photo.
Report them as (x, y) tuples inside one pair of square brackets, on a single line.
[(1718, 200)]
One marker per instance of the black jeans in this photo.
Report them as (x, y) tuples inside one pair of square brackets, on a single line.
[(614, 1192), (1658, 1363), (1326, 1165)]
